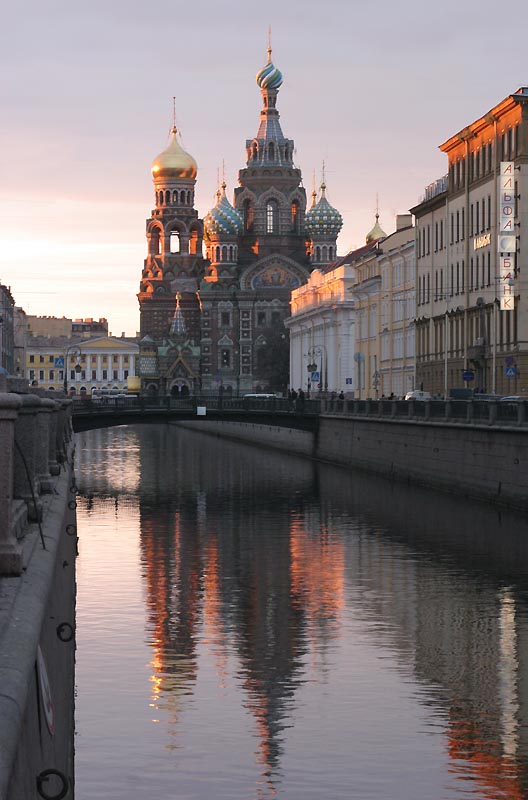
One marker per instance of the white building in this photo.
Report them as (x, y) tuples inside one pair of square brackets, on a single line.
[(322, 332)]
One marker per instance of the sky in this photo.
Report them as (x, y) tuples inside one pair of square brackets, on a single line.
[(369, 88)]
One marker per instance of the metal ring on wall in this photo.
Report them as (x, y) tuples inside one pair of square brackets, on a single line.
[(44, 777), (72, 504), (71, 529), (65, 632)]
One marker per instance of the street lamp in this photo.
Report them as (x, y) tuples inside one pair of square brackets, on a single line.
[(73, 348)]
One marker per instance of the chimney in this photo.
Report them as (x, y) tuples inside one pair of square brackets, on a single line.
[(403, 221)]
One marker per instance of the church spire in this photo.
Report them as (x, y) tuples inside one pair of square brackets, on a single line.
[(177, 327)]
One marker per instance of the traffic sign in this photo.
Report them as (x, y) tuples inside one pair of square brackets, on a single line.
[(468, 375), (59, 362), (511, 372), (315, 377)]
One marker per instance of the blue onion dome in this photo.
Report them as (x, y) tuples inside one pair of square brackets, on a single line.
[(174, 162), (323, 219), (223, 218), (376, 233), (269, 77)]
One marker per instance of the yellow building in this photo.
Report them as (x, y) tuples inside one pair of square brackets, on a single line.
[(102, 363)]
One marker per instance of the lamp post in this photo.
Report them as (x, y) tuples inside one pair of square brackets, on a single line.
[(72, 348), (313, 353)]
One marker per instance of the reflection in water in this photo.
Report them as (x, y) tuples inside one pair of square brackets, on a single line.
[(312, 632)]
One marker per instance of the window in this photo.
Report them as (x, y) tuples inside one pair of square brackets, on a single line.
[(175, 242), (248, 213), (125, 374), (31, 374), (295, 216), (261, 318), (115, 374), (50, 359), (52, 374), (275, 317), (41, 374), (32, 359), (94, 374), (105, 374), (41, 359), (272, 217), (225, 317), (225, 358)]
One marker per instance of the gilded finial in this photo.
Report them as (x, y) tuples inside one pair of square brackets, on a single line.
[(174, 128), (377, 207), (178, 298), (269, 44), (223, 176), (323, 184)]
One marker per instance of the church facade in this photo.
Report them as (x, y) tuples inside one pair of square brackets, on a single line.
[(214, 293)]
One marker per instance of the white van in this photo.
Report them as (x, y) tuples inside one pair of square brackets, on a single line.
[(417, 394)]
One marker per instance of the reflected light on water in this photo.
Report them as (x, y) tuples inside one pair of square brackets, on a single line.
[(289, 630)]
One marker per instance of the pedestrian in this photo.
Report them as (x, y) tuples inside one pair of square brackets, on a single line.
[(341, 395)]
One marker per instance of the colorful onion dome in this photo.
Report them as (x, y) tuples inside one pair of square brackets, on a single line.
[(376, 233), (223, 218), (269, 77), (174, 162), (323, 219)]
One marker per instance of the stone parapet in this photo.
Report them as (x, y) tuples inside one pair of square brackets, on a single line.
[(10, 550)]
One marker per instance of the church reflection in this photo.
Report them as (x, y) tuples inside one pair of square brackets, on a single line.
[(258, 576)]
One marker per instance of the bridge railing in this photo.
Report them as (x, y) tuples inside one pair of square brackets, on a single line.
[(109, 405), (487, 412)]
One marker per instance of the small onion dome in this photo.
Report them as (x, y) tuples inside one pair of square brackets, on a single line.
[(376, 233), (174, 162), (223, 218), (323, 219), (269, 77)]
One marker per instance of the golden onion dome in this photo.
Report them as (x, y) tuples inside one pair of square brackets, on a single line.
[(174, 162), (376, 233)]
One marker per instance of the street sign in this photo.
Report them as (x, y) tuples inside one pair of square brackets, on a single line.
[(468, 375), (511, 372), (315, 377), (59, 362), (348, 380)]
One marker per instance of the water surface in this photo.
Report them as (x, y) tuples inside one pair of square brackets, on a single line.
[(253, 625)]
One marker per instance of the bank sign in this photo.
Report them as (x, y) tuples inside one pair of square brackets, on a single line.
[(507, 244)]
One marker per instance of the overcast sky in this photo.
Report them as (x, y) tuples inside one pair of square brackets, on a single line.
[(371, 88)]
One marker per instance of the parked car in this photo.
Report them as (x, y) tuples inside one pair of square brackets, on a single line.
[(513, 398), (417, 394)]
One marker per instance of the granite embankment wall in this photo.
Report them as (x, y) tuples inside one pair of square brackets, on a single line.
[(481, 461), (38, 545)]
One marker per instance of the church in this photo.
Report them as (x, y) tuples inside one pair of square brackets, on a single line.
[(215, 292)]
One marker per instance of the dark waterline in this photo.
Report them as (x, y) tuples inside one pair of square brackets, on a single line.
[(252, 625)]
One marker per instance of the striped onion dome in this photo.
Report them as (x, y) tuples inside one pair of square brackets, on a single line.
[(269, 77), (223, 218), (323, 219)]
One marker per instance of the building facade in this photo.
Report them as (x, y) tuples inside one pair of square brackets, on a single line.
[(233, 301), (81, 366), (321, 329), (472, 293), (7, 331), (385, 307)]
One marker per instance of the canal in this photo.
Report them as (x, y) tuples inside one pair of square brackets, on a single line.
[(252, 625)]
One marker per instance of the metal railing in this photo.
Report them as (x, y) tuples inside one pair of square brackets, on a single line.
[(473, 412)]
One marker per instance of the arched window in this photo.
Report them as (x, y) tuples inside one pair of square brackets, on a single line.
[(248, 215), (217, 258), (160, 201), (317, 253), (295, 215), (175, 197), (224, 253), (175, 242), (272, 217), (154, 241), (330, 253), (231, 253), (255, 151), (182, 198), (188, 198), (193, 242), (167, 197), (271, 151)]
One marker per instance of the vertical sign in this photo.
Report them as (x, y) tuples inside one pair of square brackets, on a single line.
[(507, 244), (507, 197)]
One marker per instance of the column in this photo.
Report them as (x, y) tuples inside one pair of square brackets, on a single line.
[(10, 550)]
